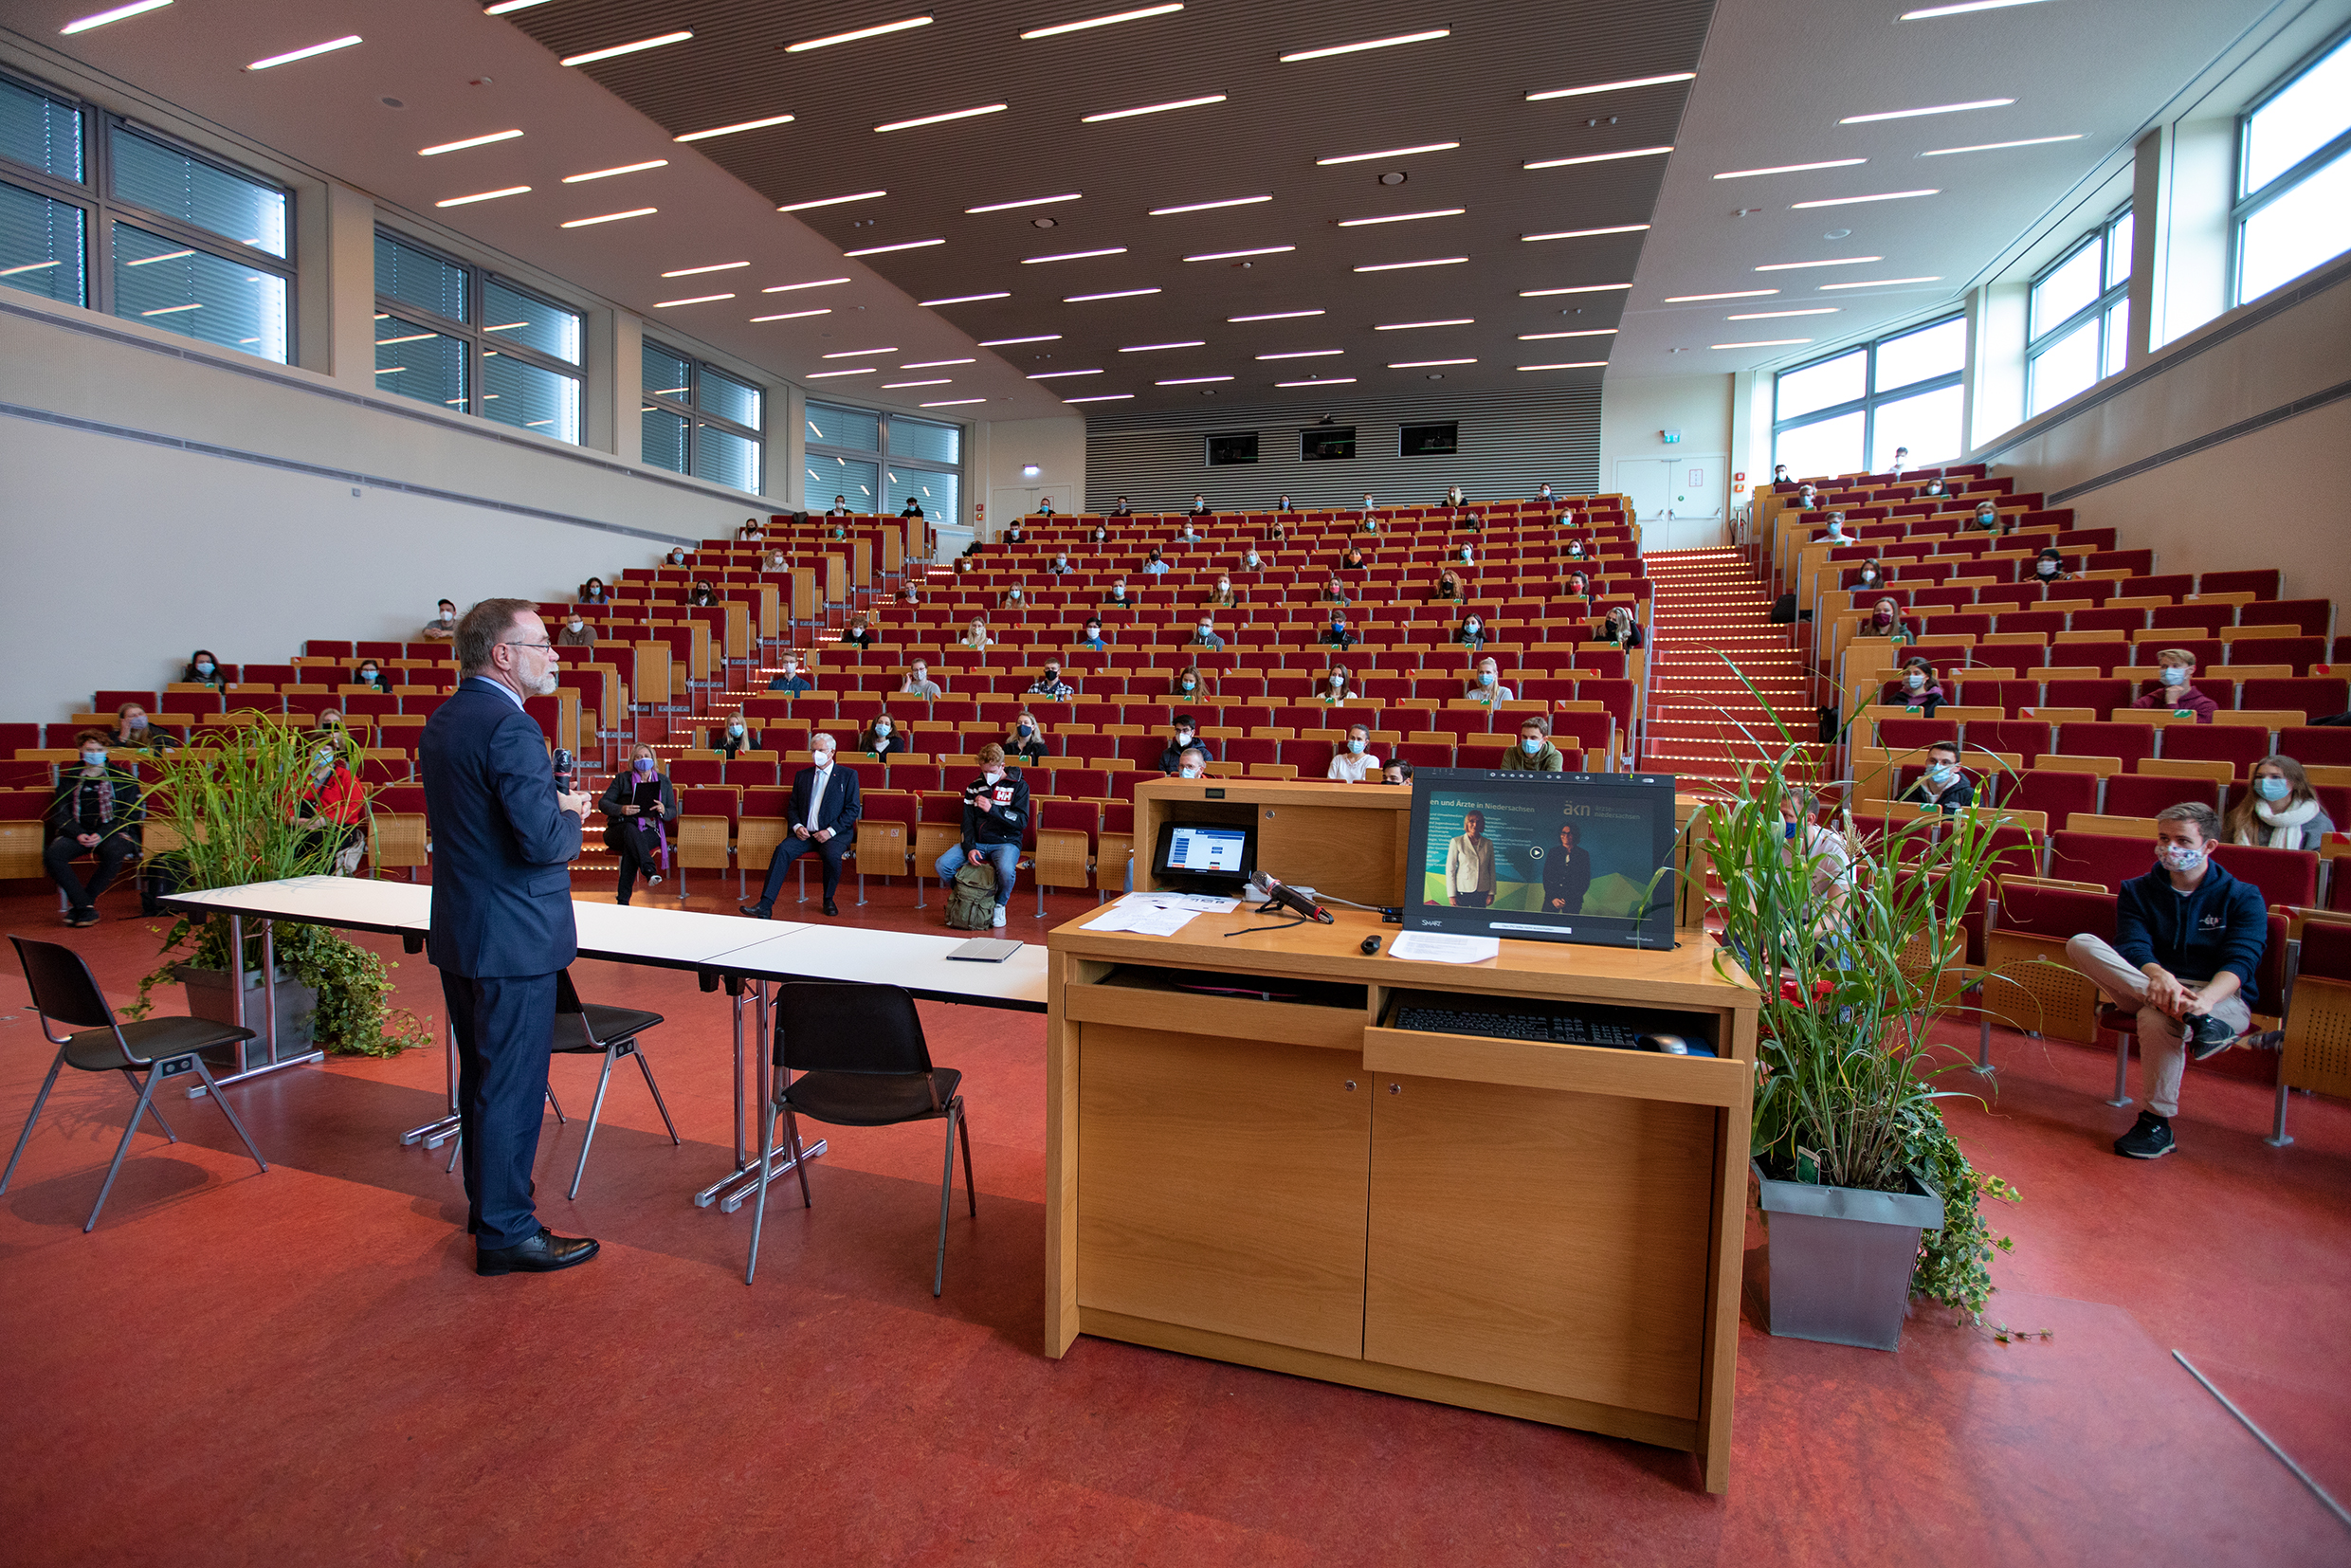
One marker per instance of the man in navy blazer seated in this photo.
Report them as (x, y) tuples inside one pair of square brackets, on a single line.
[(504, 840), (825, 806)]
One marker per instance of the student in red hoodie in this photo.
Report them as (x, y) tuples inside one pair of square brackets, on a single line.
[(2174, 688)]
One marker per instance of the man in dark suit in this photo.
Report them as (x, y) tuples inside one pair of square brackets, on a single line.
[(824, 808), (502, 919)]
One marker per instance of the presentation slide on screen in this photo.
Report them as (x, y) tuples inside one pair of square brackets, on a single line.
[(1537, 853)]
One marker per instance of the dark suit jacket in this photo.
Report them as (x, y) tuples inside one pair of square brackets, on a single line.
[(502, 883), (841, 806)]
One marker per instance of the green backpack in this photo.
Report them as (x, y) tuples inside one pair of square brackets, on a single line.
[(971, 899)]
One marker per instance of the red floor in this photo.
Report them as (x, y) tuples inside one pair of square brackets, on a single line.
[(302, 1367)]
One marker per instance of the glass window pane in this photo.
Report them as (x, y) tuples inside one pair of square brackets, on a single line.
[(667, 374), (37, 129), (925, 438), (729, 399), (41, 248), (2305, 227), (725, 458), (665, 438), (936, 492), (169, 285), (515, 394), (1937, 350), (533, 322), (194, 192), (2119, 251), (2063, 368), (855, 481), (416, 361), (2074, 285), (1927, 424), (2118, 338), (420, 279), (1816, 451), (1839, 380), (2299, 120), (830, 425)]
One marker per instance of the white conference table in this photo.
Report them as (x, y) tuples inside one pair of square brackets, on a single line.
[(731, 950)]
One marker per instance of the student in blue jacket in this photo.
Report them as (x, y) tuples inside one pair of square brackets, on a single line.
[(2188, 937)]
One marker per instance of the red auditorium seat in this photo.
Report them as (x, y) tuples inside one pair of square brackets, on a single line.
[(2326, 746), (2145, 795), (2056, 795), (2241, 746), (2263, 583), (2315, 696), (2133, 743), (2311, 615), (2286, 877), (2208, 618), (2096, 857), (2027, 739), (2299, 653)]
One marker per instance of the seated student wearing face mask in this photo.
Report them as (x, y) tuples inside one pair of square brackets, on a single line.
[(331, 809), (2188, 940), (1354, 763), (1397, 772), (638, 807), (885, 737), (1534, 753), (371, 675), (1205, 637), (1886, 621), (592, 591), (1024, 742), (1192, 764), (1471, 632), (2050, 566), (1336, 634), (2281, 811), (443, 627), (1224, 597), (1942, 785), (1050, 685), (1987, 517), (995, 815), (576, 632), (1187, 683), (2174, 687), (1187, 738), (1117, 591), (677, 555), (1836, 534), (1872, 575), (824, 812), (1251, 560), (1919, 689), (737, 738), (203, 670), (1092, 640), (918, 682), (859, 632), (792, 679), (1486, 686), (94, 811), (1337, 687)]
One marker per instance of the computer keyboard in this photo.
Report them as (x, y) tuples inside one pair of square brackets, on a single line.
[(1564, 1026)]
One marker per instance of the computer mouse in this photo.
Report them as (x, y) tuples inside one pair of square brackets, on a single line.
[(1672, 1045), (1371, 945)]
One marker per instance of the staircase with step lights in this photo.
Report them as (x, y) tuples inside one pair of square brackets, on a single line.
[(1704, 722)]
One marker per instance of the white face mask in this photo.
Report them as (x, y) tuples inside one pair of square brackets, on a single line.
[(1187, 771), (992, 775), (1916, 683), (824, 759), (2180, 857), (577, 623), (921, 674), (881, 726), (1183, 738)]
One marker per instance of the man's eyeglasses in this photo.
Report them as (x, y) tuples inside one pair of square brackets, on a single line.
[(542, 647)]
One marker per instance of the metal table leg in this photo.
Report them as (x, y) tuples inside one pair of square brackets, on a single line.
[(246, 1066), (434, 1132), (730, 1190)]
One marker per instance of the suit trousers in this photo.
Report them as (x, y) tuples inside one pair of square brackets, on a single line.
[(791, 849), (505, 1027)]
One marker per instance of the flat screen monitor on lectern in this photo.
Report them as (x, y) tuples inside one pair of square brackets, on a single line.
[(1542, 857)]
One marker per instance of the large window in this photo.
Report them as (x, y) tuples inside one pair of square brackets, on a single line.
[(1855, 408), (878, 461), (100, 212), (450, 333), (2078, 327), (2293, 187), (700, 420)]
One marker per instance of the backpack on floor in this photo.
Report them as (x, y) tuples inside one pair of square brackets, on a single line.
[(971, 899)]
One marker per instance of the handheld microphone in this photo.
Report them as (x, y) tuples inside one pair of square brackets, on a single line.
[(1270, 888), (563, 771)]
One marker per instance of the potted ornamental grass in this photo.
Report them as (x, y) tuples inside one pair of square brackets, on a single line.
[(1857, 944), (226, 809)]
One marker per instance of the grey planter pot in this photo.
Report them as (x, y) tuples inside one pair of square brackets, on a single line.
[(298, 1006), (1840, 1259)]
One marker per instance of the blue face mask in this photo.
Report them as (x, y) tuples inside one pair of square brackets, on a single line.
[(645, 767), (2175, 676), (1354, 746), (736, 728), (1941, 772), (94, 759), (1028, 729), (1789, 830), (1486, 678), (1531, 744), (2272, 789), (204, 666)]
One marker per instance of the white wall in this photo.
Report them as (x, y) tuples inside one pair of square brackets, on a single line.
[(126, 550), (1003, 448), (1633, 414)]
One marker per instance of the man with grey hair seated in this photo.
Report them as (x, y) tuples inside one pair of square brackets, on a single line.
[(824, 808)]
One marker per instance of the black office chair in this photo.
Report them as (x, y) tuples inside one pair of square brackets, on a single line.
[(146, 1053), (863, 1063), (582, 1028)]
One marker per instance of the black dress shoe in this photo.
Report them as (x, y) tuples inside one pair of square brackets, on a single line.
[(831, 909), (759, 911), (543, 1254)]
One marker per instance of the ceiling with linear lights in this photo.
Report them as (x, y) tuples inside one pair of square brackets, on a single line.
[(1010, 209)]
